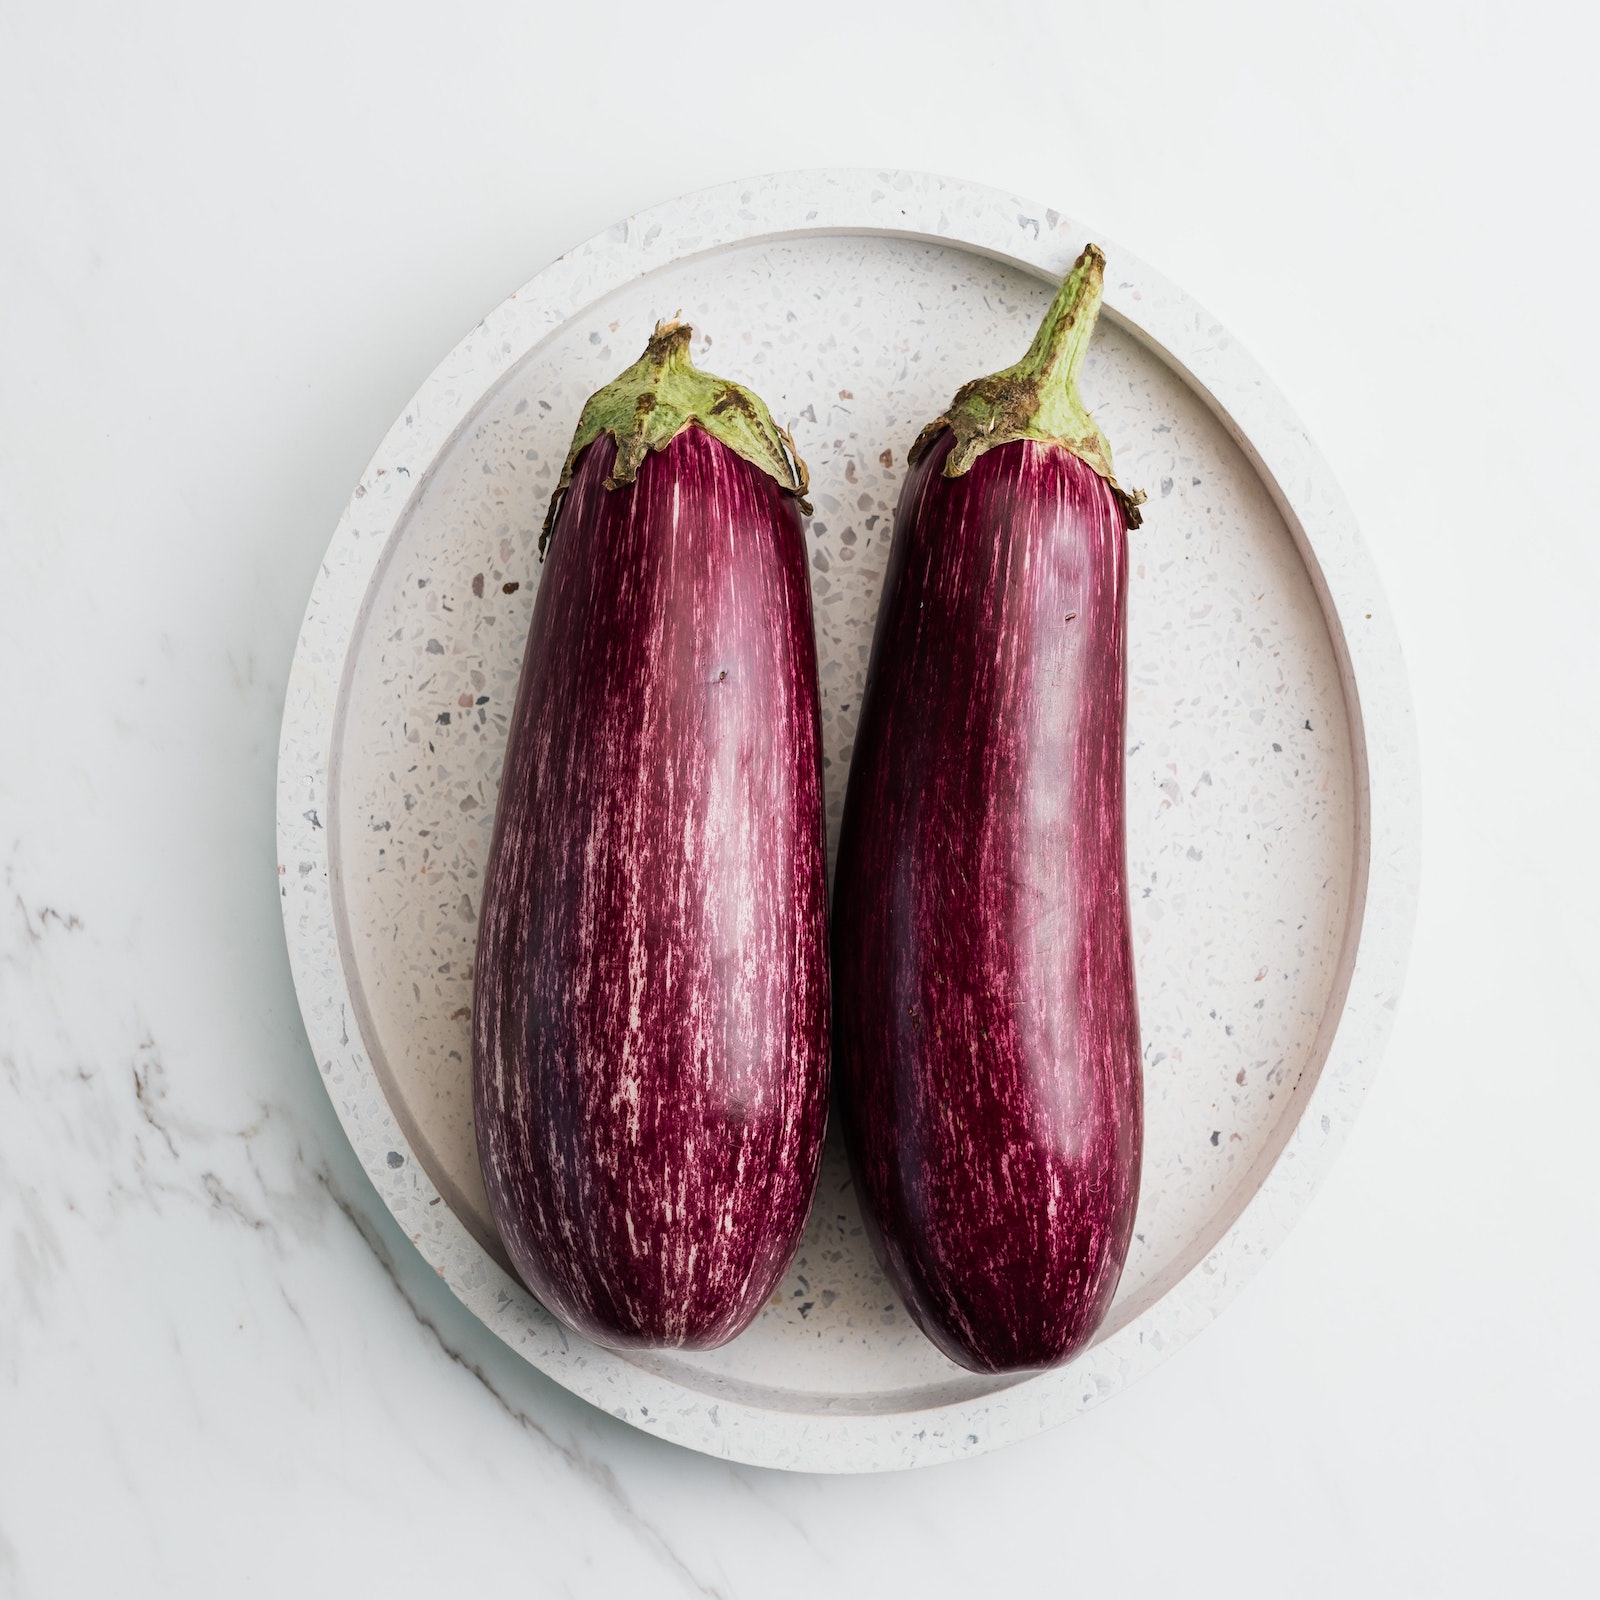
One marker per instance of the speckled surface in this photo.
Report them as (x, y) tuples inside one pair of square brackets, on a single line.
[(1252, 798)]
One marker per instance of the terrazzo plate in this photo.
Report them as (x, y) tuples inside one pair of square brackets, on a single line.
[(1271, 770)]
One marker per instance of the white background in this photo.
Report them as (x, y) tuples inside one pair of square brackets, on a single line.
[(232, 243)]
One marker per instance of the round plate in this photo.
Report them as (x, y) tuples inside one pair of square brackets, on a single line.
[(1272, 826)]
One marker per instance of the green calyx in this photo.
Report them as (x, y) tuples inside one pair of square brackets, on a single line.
[(1038, 397), (660, 395)]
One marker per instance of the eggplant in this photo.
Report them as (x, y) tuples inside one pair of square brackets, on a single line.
[(650, 1005), (986, 1031)]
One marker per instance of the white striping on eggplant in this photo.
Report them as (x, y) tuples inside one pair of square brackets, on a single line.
[(987, 1027), (650, 1018)]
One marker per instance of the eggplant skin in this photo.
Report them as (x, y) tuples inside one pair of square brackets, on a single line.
[(986, 1023), (650, 1019)]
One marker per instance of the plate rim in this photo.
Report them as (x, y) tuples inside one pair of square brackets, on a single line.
[(1386, 869)]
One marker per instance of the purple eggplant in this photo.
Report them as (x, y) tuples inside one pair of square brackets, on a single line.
[(986, 1027), (650, 1018)]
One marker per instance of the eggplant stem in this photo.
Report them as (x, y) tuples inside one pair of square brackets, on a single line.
[(645, 408), (1038, 398)]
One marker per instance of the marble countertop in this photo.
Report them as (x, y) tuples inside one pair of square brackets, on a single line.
[(230, 252)]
